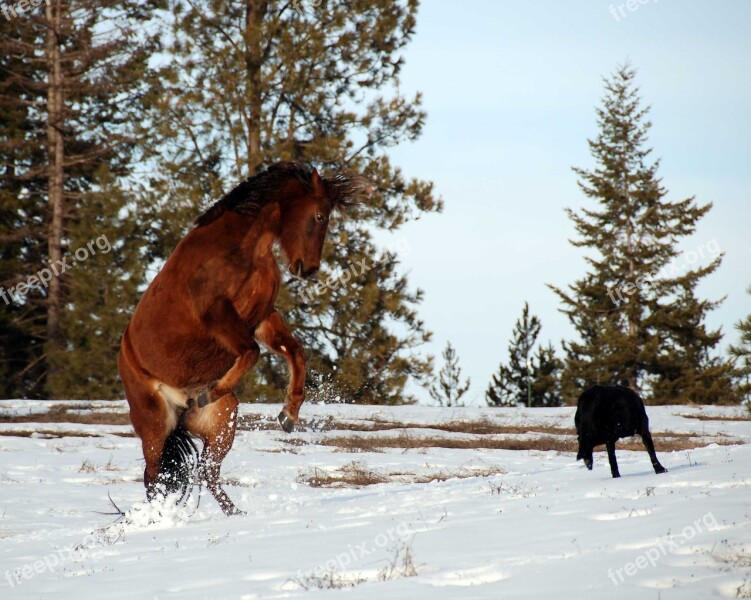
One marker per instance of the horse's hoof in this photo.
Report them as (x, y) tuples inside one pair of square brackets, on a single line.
[(235, 512), (285, 422)]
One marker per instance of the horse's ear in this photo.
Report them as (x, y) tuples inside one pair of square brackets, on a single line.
[(319, 188)]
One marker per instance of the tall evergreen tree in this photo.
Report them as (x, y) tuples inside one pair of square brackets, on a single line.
[(449, 387), (251, 82), (501, 390), (742, 353), (70, 80), (639, 325), (546, 373), (528, 379), (22, 214)]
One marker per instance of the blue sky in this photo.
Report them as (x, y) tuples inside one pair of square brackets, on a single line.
[(510, 89)]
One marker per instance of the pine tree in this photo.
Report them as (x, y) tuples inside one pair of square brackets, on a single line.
[(546, 378), (22, 211), (639, 325), (501, 390), (742, 353), (78, 67), (528, 379), (449, 388), (252, 82)]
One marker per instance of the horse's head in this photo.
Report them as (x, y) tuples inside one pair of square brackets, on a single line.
[(305, 220)]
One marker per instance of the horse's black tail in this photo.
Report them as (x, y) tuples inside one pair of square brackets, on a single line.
[(178, 463)]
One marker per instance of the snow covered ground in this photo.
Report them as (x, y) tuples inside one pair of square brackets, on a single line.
[(454, 515)]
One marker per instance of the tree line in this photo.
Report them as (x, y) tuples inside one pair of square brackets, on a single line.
[(121, 120), (639, 323)]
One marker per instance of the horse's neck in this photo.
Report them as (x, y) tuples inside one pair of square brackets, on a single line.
[(262, 231)]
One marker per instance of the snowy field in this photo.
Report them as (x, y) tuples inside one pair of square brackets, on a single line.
[(374, 502)]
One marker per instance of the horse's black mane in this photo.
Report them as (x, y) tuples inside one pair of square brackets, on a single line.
[(264, 188)]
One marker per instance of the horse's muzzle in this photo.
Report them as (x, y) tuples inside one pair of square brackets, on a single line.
[(298, 270)]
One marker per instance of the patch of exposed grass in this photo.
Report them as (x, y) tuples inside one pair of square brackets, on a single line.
[(256, 422), (89, 467), (47, 433), (355, 474), (716, 417), (483, 426), (61, 413), (460, 474), (330, 581), (736, 558), (510, 490), (402, 564), (406, 441), (293, 441), (542, 443)]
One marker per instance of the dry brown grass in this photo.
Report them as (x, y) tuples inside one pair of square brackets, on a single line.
[(717, 418), (89, 467), (330, 580), (460, 474), (357, 474), (402, 564), (256, 422), (60, 413), (484, 426), (48, 433), (668, 443), (735, 558)]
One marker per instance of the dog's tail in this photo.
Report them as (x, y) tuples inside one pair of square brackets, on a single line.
[(178, 463)]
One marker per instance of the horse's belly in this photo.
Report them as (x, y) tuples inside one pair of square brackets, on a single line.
[(183, 361)]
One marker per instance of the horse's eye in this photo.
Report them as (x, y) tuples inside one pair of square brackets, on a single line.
[(320, 218)]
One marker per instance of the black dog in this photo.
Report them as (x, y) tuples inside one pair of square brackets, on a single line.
[(606, 413)]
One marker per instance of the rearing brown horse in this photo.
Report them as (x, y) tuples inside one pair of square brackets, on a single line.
[(197, 329)]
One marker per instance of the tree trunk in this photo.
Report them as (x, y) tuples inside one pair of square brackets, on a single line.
[(633, 302), (55, 176), (254, 15)]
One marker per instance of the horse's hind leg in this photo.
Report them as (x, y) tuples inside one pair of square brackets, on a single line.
[(152, 422), (215, 424)]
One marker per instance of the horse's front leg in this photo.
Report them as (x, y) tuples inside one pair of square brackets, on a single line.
[(231, 378), (273, 334)]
